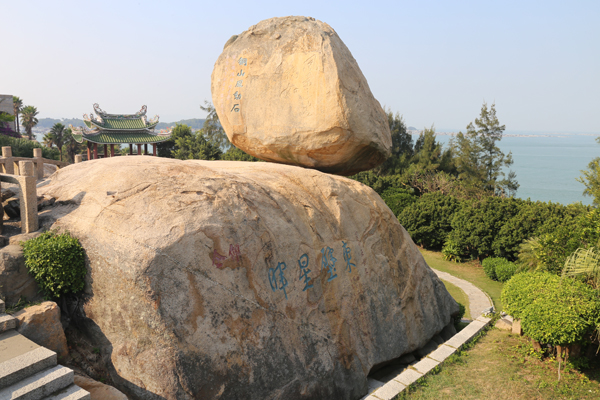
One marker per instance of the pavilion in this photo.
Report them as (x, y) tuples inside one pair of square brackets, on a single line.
[(116, 129)]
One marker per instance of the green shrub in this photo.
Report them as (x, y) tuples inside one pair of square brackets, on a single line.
[(498, 268), (24, 147), (428, 219), (458, 317), (57, 263), (505, 270), (452, 252), (398, 199), (552, 310), (489, 266)]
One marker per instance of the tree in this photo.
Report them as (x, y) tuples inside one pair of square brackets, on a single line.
[(58, 135), (235, 154), (479, 161), (29, 119), (17, 107), (72, 147), (48, 140), (402, 146), (591, 179), (212, 129)]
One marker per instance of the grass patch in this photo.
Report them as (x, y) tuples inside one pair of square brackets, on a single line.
[(21, 304), (458, 295), (502, 365), (470, 271)]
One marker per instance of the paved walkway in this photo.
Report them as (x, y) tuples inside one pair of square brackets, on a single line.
[(478, 299)]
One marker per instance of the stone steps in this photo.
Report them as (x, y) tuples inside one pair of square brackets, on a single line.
[(29, 371)]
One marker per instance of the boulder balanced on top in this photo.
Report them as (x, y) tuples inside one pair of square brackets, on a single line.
[(288, 90)]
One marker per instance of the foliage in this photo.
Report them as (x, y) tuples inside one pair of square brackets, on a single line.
[(428, 221), (458, 317), (402, 147), (17, 108), (553, 311), (212, 129), (505, 270), (194, 146), (591, 179), (476, 224), (5, 128), (57, 263), (235, 154), (29, 119), (479, 160), (489, 266), (452, 251), (380, 183), (24, 147), (498, 268), (71, 146), (58, 136), (398, 199), (585, 264)]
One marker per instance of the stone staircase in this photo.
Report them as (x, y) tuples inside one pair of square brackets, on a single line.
[(29, 371)]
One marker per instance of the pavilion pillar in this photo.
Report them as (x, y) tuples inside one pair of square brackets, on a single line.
[(154, 149), (112, 150), (89, 150), (95, 151), (145, 148), (139, 145), (105, 151), (130, 149)]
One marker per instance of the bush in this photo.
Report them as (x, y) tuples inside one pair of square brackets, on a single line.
[(552, 310), (452, 252), (458, 317), (398, 199), (498, 268), (24, 147), (489, 266), (428, 219), (505, 270), (57, 263)]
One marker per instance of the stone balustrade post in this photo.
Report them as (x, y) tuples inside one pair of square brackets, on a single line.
[(28, 197), (78, 158), (9, 166), (37, 156)]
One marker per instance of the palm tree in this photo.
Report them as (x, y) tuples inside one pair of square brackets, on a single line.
[(58, 136), (17, 107), (29, 114), (48, 140), (72, 146), (584, 263)]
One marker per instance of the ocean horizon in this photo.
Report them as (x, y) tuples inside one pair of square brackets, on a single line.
[(546, 164)]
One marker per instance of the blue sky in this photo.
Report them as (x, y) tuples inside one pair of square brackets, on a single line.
[(434, 62)]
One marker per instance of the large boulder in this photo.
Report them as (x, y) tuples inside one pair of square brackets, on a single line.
[(239, 280), (288, 90)]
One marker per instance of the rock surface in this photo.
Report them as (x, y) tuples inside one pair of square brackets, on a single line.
[(98, 390), (15, 281), (288, 90), (197, 287), (41, 324)]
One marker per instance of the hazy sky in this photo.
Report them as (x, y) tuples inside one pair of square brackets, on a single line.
[(433, 62)]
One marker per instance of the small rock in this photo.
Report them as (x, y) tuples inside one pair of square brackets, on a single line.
[(516, 327), (98, 390), (12, 208), (7, 194), (504, 324), (536, 345), (45, 201), (41, 324)]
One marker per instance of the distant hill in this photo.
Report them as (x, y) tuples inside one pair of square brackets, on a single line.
[(47, 123)]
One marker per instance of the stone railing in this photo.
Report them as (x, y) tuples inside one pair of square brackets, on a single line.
[(27, 194), (7, 161)]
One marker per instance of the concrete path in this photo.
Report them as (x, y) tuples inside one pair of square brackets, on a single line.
[(479, 301)]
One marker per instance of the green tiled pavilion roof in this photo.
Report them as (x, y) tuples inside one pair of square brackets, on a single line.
[(119, 137), (121, 124)]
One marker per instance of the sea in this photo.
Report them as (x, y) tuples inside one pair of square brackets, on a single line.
[(547, 164)]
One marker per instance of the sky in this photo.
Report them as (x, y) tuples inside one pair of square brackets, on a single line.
[(433, 62)]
